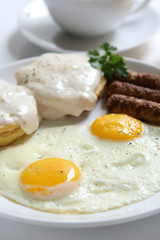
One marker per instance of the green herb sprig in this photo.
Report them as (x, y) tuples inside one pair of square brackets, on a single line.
[(108, 62)]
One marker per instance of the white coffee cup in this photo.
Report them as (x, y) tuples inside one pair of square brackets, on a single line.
[(92, 17)]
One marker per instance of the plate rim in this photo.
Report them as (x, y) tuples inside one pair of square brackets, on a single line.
[(80, 223)]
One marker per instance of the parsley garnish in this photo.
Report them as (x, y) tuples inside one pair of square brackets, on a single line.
[(108, 62)]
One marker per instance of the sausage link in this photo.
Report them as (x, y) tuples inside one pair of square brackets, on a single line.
[(139, 108), (117, 87), (148, 80)]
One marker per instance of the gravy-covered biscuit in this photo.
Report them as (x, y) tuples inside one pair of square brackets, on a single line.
[(18, 113), (63, 84)]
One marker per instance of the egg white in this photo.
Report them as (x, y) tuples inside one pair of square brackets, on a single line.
[(115, 173)]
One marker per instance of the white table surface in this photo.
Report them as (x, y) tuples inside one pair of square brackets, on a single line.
[(13, 46)]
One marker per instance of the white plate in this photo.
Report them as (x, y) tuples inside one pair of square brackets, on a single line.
[(37, 26), (132, 212)]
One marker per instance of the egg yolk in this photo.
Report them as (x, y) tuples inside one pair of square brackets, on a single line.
[(117, 127), (50, 177)]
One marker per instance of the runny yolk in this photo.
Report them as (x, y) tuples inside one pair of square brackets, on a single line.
[(117, 127), (49, 177)]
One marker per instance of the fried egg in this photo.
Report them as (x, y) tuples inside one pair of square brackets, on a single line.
[(117, 127), (49, 178), (92, 172)]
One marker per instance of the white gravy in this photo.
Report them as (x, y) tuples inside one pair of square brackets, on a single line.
[(18, 106), (63, 84)]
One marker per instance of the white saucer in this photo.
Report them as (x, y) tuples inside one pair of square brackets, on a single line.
[(38, 27)]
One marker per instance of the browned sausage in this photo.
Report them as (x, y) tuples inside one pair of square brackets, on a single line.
[(117, 87), (148, 80), (139, 108)]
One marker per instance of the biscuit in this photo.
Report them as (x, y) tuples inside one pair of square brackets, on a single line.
[(10, 133), (101, 86), (63, 84)]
